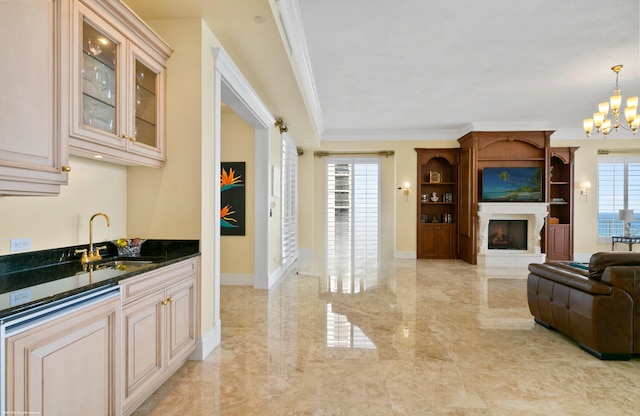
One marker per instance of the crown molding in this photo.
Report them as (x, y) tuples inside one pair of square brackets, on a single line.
[(289, 22)]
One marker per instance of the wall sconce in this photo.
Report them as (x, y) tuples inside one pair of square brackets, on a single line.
[(406, 190), (585, 190)]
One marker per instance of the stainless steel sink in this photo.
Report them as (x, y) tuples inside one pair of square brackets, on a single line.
[(128, 264)]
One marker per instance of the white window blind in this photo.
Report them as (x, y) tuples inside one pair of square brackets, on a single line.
[(618, 188), (289, 195), (353, 216)]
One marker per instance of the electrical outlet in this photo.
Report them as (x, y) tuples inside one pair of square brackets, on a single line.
[(19, 297), (19, 244)]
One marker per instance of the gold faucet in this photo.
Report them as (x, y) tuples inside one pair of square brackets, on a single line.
[(93, 255)]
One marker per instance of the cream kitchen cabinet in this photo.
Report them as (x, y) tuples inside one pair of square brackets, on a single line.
[(118, 85), (68, 364), (159, 328), (33, 152)]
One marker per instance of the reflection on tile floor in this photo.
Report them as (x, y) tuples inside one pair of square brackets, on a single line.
[(426, 337)]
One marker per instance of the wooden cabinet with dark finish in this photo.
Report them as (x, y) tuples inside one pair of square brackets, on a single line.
[(559, 230), (479, 150), (437, 203)]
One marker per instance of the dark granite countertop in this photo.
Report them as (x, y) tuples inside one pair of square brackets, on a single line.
[(32, 279)]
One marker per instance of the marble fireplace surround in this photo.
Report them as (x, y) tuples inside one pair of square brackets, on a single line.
[(533, 212)]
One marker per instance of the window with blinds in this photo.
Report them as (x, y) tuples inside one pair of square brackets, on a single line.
[(618, 189), (289, 195), (353, 215)]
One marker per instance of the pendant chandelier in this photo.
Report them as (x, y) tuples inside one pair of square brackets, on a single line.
[(609, 112)]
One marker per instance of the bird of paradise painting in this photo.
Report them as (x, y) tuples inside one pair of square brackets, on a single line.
[(232, 198)]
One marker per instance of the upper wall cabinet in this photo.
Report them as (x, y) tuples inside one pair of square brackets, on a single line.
[(33, 152), (118, 85)]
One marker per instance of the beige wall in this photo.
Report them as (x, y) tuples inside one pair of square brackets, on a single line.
[(177, 202), (237, 145), (63, 220)]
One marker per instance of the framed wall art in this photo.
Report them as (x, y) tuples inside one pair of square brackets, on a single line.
[(232, 198)]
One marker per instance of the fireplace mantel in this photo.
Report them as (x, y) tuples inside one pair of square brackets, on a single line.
[(533, 212)]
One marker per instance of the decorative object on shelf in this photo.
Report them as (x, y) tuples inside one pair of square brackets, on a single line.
[(434, 197), (586, 185), (424, 198), (602, 118), (447, 197), (435, 177), (129, 247), (626, 215), (554, 220), (95, 46)]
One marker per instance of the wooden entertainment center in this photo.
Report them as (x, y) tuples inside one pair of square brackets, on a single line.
[(448, 225)]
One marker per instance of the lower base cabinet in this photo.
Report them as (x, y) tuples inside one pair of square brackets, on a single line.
[(69, 365), (437, 241), (559, 242), (159, 328)]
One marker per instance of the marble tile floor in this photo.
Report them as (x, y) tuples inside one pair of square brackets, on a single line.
[(425, 337)]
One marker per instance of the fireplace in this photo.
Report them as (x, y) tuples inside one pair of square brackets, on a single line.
[(509, 233)]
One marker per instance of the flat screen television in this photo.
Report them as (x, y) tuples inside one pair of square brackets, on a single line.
[(511, 184)]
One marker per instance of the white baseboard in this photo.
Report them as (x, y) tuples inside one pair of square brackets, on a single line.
[(207, 343), (236, 279), (409, 255)]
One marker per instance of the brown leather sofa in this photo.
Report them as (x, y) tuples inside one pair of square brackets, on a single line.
[(599, 307)]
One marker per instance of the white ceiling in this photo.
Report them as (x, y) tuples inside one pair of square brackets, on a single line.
[(419, 69)]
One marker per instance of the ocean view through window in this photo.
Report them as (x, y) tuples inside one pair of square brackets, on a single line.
[(618, 189)]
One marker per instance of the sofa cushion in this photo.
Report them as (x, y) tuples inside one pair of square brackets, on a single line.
[(600, 261)]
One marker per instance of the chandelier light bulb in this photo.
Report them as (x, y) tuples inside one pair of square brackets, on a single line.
[(588, 126), (632, 102), (630, 114), (598, 119), (603, 107), (615, 101), (635, 124)]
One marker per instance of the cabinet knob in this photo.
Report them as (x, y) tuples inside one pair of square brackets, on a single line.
[(124, 136), (66, 168), (132, 139)]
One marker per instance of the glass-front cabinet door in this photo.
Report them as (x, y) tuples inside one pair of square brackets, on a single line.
[(118, 90), (99, 92), (146, 103), (98, 110)]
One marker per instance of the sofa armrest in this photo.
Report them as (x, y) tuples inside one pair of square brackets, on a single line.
[(599, 262), (568, 278), (626, 278)]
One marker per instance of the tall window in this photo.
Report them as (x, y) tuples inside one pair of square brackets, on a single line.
[(353, 217), (618, 189), (289, 196)]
